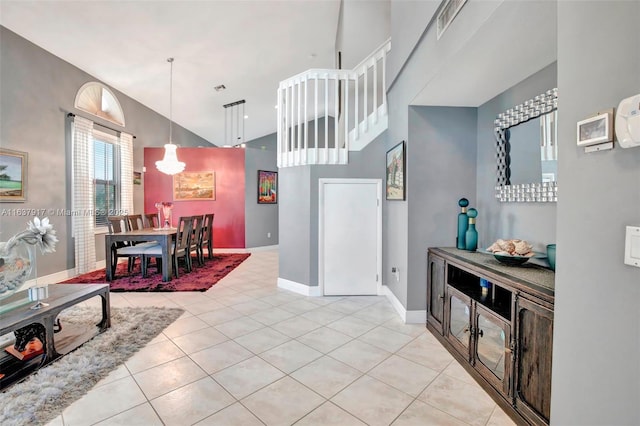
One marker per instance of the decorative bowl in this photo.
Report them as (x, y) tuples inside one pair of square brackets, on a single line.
[(15, 268), (511, 260)]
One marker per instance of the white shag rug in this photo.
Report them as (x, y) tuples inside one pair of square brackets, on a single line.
[(45, 394)]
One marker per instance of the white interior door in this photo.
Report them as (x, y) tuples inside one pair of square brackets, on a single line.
[(350, 236)]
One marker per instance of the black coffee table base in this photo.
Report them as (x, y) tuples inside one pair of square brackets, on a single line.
[(61, 296)]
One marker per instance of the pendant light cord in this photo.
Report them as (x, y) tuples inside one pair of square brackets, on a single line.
[(170, 60)]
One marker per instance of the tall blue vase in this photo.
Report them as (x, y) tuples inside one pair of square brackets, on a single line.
[(471, 236), (463, 223)]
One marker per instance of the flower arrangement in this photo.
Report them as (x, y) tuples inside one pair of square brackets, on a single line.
[(166, 207), (38, 232), (16, 261)]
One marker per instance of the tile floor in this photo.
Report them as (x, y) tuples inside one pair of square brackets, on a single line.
[(248, 353)]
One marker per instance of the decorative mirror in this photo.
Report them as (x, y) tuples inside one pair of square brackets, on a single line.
[(527, 150)]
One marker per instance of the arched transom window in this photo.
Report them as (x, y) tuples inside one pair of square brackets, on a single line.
[(96, 99)]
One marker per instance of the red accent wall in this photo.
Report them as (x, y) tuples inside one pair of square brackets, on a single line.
[(228, 165)]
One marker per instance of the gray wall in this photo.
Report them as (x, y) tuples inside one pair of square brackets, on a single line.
[(268, 143), (534, 222), (294, 223), (299, 208), (422, 64), (596, 344), (409, 18), (260, 219), (37, 91), (363, 26), (441, 165)]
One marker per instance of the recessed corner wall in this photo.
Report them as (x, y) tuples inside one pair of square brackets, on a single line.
[(441, 167)]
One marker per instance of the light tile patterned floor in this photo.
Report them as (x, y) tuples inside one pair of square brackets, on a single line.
[(248, 353)]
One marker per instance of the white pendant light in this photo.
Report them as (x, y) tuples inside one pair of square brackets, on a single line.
[(170, 164)]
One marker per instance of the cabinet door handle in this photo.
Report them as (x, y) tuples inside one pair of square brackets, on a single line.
[(481, 333), (440, 296)]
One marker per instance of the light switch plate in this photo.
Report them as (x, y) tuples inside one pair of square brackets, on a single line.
[(632, 246)]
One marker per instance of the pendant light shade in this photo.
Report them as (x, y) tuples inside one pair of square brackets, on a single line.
[(169, 164)]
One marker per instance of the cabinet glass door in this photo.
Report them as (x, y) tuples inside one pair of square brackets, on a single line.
[(435, 292), (459, 321), (491, 344), (493, 353)]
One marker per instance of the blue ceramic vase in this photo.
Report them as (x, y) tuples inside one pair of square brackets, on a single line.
[(463, 223), (471, 236)]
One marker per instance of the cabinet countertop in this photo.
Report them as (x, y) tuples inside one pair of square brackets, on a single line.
[(533, 276)]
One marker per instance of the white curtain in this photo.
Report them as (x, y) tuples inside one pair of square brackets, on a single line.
[(83, 220), (126, 172)]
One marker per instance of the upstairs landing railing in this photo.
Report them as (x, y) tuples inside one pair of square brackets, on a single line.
[(323, 114)]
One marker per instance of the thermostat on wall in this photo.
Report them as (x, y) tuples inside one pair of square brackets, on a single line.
[(595, 130), (632, 246), (628, 122)]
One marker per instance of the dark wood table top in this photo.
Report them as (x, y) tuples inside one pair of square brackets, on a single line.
[(61, 296)]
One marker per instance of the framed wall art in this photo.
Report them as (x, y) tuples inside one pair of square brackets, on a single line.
[(13, 176), (189, 186), (395, 173), (267, 187)]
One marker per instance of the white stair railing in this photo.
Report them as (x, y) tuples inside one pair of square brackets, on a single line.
[(323, 113)]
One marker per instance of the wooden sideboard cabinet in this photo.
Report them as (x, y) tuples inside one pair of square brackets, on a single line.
[(501, 334)]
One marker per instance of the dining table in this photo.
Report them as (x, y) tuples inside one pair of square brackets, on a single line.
[(163, 236)]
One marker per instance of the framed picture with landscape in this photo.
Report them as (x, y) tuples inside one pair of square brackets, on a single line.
[(267, 187), (13, 176), (395, 173), (190, 186)]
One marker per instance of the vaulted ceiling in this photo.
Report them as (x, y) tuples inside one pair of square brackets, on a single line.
[(249, 46)]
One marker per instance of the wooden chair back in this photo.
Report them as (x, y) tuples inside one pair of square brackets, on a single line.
[(117, 224), (183, 237), (152, 220), (207, 235), (135, 222)]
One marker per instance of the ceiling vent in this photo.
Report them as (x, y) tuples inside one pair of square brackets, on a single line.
[(447, 14), (220, 88)]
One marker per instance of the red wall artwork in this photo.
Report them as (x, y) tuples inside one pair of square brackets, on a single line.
[(229, 177)]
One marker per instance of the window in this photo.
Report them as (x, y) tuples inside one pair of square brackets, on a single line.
[(106, 181), (96, 99)]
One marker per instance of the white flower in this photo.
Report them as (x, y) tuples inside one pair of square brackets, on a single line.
[(39, 232), (41, 227)]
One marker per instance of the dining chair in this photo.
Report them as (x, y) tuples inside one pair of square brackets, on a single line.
[(117, 224), (151, 220), (196, 238), (207, 236), (135, 222), (179, 248)]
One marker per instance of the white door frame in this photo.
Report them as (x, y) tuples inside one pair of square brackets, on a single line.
[(321, 183)]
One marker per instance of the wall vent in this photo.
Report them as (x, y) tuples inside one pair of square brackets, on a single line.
[(447, 14)]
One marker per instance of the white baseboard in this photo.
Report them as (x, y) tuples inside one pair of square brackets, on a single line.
[(245, 250), (263, 248), (298, 288), (416, 317), (409, 317)]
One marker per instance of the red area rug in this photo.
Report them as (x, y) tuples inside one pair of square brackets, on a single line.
[(200, 278)]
